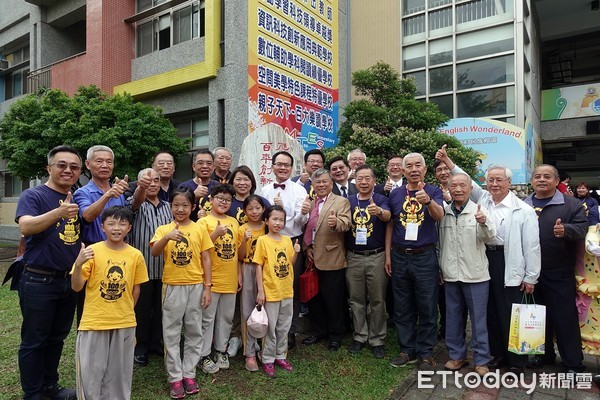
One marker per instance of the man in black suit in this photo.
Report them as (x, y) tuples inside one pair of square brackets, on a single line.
[(340, 169), (394, 179)]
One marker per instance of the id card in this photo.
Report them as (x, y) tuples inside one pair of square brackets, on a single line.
[(412, 231), (361, 236), (314, 231)]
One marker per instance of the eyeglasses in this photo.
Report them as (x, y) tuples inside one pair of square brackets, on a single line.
[(497, 180), (222, 199), (395, 165), (201, 163), (282, 165), (314, 162), (163, 163), (64, 165)]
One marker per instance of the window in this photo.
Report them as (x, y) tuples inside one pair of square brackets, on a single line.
[(439, 19), (143, 5), (413, 25), (15, 83), (483, 103), (13, 185), (195, 129), (482, 43), (413, 57), (440, 51), (444, 103), (491, 71), (420, 81), (413, 6), (440, 79), (175, 26), (480, 9)]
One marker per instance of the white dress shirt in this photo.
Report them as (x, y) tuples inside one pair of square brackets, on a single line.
[(292, 198)]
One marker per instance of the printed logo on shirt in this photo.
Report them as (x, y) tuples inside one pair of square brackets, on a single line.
[(224, 245), (70, 231), (113, 287), (181, 255), (361, 218), (206, 204), (282, 267), (311, 193), (241, 216), (412, 212), (252, 249)]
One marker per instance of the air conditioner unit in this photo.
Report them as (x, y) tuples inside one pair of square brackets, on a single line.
[(3, 65)]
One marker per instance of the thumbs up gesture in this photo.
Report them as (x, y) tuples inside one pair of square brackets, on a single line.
[(332, 220), (388, 185), (67, 209), (176, 235), (305, 206), (480, 216), (297, 246), (559, 229), (441, 154), (85, 254), (145, 181), (372, 208), (421, 196), (277, 200), (220, 230)]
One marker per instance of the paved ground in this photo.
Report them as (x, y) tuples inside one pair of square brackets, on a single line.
[(571, 390)]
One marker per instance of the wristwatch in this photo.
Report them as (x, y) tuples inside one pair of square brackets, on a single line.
[(429, 202)]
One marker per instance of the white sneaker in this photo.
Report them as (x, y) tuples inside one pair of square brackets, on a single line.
[(233, 346), (222, 360), (208, 366)]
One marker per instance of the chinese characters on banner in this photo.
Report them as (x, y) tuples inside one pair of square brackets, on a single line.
[(292, 74)]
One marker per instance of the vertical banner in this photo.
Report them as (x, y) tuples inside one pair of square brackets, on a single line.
[(293, 71)]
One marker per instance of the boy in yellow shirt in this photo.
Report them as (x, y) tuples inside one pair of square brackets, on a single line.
[(114, 271), (217, 319)]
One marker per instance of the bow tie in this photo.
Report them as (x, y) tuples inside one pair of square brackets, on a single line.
[(278, 185)]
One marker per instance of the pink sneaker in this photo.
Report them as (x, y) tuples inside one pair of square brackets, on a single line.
[(177, 391), (269, 369), (285, 364), (190, 385), (251, 364)]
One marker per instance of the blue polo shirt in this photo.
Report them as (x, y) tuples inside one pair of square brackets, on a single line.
[(56, 247), (361, 219), (405, 208), (91, 232)]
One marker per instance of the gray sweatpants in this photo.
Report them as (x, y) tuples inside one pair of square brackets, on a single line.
[(247, 303), (216, 322), (104, 363), (280, 319), (182, 307)]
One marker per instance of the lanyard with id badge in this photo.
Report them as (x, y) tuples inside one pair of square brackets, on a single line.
[(412, 228), (361, 231)]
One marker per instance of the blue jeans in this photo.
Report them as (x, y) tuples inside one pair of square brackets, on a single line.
[(48, 307), (415, 283)]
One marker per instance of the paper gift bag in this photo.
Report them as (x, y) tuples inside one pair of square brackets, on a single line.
[(527, 329), (309, 283)]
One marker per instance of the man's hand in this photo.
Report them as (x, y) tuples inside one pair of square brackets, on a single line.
[(68, 210), (441, 154), (559, 229), (200, 192), (388, 185), (373, 209), (277, 200), (528, 287), (332, 220), (145, 181), (304, 177), (421, 196), (480, 216), (306, 206)]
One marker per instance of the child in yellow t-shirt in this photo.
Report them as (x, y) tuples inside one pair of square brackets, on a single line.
[(217, 319), (186, 291), (274, 258), (249, 232), (113, 271)]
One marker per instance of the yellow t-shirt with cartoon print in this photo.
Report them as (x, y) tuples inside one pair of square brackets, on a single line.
[(223, 256), (110, 277), (183, 259), (278, 272), (250, 244)]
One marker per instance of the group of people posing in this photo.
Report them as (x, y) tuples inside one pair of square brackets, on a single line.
[(176, 268)]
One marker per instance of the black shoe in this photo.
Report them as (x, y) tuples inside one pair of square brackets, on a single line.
[(312, 339), (291, 342), (540, 361), (141, 359), (497, 363), (159, 351), (355, 347), (378, 352), (334, 345), (57, 392)]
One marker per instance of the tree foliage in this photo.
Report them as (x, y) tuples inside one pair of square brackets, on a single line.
[(48, 118), (389, 121)]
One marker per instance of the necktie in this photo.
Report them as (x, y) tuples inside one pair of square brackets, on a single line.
[(277, 185), (344, 193), (312, 223)]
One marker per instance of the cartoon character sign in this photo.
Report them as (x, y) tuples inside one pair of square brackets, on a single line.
[(224, 246), (282, 267), (241, 216), (181, 255), (412, 212), (361, 219), (113, 287)]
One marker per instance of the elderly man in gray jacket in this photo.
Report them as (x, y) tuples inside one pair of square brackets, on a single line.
[(464, 230), (514, 257)]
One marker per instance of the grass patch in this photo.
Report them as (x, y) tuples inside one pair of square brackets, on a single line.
[(318, 373)]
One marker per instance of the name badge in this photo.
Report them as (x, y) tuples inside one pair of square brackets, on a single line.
[(412, 231), (361, 236), (314, 231)]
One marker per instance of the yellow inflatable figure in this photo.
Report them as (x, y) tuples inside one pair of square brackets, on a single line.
[(588, 291)]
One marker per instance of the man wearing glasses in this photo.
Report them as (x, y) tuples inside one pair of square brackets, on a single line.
[(222, 156), (291, 196), (203, 165), (313, 160), (49, 221), (514, 257)]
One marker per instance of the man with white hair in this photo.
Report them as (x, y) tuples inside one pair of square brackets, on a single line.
[(356, 158), (514, 257), (222, 171)]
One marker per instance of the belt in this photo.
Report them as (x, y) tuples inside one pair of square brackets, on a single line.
[(494, 247), (413, 250), (48, 272), (367, 252)]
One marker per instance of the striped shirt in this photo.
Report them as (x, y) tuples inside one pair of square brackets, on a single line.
[(147, 219)]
